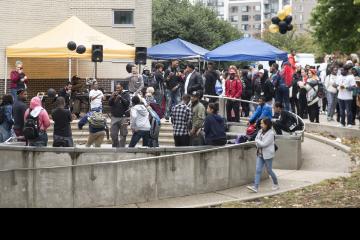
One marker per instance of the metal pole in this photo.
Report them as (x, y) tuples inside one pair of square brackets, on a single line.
[(96, 71), (5, 73), (70, 69)]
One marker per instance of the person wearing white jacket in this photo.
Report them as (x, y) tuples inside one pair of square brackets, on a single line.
[(139, 123), (332, 92), (265, 142)]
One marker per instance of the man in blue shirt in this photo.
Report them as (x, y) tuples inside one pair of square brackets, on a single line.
[(263, 111)]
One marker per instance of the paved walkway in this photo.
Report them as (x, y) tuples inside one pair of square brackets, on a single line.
[(324, 121), (321, 162)]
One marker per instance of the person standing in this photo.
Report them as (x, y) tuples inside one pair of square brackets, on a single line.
[(19, 110), (159, 88), (119, 103), (215, 134), (234, 89), (136, 82), (97, 128), (211, 78), (19, 80), (96, 97), (139, 123), (198, 118), (346, 84), (294, 91), (312, 87), (37, 122), (194, 81), (173, 87), (76, 90), (62, 124), (332, 92), (66, 94), (181, 118), (303, 107), (265, 143), (6, 117)]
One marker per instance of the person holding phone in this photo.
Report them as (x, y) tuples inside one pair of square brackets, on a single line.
[(19, 80), (96, 97)]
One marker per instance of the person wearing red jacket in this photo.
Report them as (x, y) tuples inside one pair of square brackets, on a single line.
[(19, 80), (233, 89), (292, 60)]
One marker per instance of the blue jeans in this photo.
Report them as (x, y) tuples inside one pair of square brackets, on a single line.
[(346, 105), (260, 164), (41, 141), (145, 135), (283, 96), (98, 109), (13, 93), (172, 99)]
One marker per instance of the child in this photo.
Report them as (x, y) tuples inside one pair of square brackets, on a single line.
[(265, 142)]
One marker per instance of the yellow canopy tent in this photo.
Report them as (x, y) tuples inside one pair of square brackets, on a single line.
[(53, 44)]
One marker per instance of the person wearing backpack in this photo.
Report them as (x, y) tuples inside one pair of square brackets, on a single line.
[(97, 128), (139, 123), (6, 117), (37, 122), (62, 129), (19, 110), (265, 143)]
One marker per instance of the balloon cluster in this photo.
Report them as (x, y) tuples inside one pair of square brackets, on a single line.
[(282, 22), (81, 49)]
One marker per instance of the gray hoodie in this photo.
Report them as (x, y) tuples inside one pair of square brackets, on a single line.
[(139, 120)]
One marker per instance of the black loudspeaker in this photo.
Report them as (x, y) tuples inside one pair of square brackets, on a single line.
[(97, 53), (141, 56)]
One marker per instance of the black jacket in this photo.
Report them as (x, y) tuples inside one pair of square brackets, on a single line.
[(214, 128), (19, 110), (66, 96), (210, 83), (171, 78), (120, 105), (195, 83), (159, 81)]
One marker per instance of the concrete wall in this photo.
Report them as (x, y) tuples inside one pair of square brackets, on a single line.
[(333, 130), (117, 184)]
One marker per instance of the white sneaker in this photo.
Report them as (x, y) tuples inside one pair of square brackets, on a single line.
[(350, 126), (253, 189), (276, 188), (341, 126)]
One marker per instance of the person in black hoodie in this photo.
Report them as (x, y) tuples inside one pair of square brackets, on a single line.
[(287, 121), (215, 133), (19, 110), (247, 92), (263, 86), (211, 77), (294, 101), (119, 103)]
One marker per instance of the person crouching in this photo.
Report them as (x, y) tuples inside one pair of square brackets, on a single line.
[(97, 128)]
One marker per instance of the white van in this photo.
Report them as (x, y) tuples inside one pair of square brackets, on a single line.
[(305, 59)]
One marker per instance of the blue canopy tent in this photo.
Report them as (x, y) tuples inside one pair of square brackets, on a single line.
[(176, 49), (247, 49)]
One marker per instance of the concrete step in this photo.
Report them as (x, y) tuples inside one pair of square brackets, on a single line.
[(80, 134), (83, 140)]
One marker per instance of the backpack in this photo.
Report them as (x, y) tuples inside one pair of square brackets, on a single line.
[(31, 127), (321, 90), (2, 115), (97, 120), (218, 88)]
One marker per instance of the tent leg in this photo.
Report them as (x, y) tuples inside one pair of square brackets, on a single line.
[(77, 67), (5, 74), (70, 69)]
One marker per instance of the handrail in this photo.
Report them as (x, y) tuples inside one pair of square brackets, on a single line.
[(128, 160), (256, 103)]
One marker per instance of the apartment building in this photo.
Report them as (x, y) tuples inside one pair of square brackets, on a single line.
[(129, 21)]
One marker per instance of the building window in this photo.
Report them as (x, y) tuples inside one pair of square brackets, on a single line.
[(124, 18), (258, 8), (245, 9), (245, 18), (234, 9), (257, 17)]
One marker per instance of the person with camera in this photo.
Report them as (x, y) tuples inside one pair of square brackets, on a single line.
[(19, 80), (119, 103)]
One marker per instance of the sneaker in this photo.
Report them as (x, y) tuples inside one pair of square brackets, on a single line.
[(253, 189), (350, 126), (341, 126), (276, 188)]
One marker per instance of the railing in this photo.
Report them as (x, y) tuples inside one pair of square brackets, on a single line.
[(302, 132)]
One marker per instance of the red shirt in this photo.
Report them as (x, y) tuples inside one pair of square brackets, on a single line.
[(15, 79), (287, 75), (292, 62), (233, 88)]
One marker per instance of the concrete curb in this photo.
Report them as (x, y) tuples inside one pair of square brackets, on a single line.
[(329, 142)]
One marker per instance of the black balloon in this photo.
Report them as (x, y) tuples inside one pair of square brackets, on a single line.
[(51, 93), (283, 31), (283, 25), (289, 19), (71, 46), (275, 20), (129, 67), (290, 27), (81, 49)]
